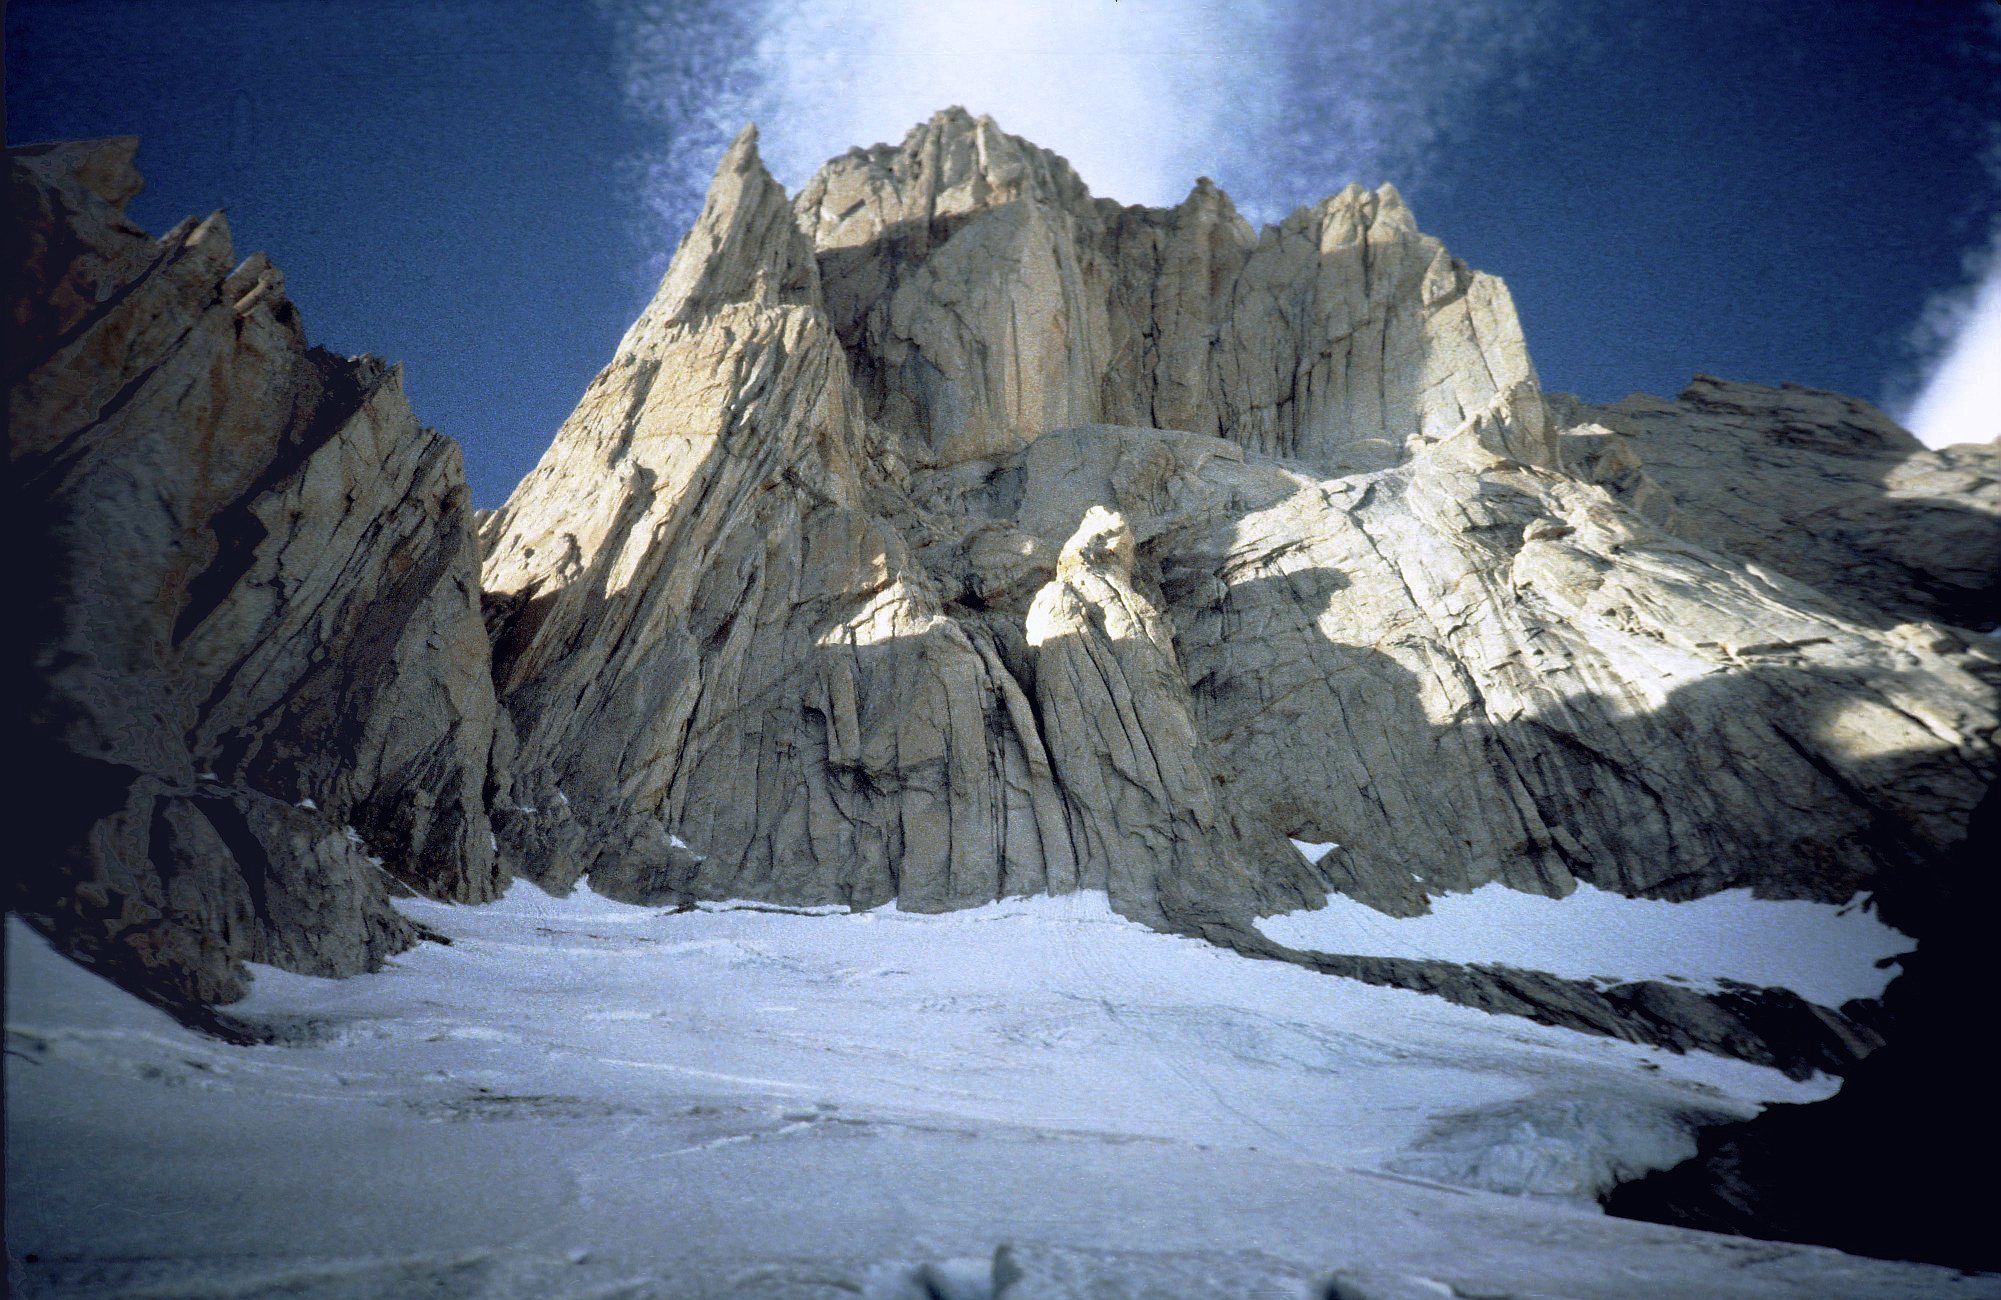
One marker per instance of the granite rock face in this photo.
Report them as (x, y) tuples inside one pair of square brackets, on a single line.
[(1821, 487), (1468, 669), (731, 673), (259, 690), (1118, 719), (967, 536), (984, 296)]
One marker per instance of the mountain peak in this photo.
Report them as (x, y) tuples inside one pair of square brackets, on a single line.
[(744, 247), (829, 548)]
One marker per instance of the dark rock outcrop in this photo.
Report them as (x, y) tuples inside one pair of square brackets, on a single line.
[(258, 688), (1891, 1165), (1821, 487)]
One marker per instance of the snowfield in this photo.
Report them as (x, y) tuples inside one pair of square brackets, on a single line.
[(1823, 952), (1035, 1099)]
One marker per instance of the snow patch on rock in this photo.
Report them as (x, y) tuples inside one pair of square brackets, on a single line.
[(1824, 952)]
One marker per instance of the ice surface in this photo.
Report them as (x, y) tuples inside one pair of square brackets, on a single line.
[(1824, 952), (578, 1097)]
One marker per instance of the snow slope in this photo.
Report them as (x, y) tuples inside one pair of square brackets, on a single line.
[(581, 1098), (1823, 952)]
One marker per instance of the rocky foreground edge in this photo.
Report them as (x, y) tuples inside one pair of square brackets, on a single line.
[(258, 699), (943, 533)]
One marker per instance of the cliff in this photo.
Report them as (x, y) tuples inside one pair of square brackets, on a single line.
[(258, 685)]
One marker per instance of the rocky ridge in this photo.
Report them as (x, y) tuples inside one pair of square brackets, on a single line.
[(259, 698), (1821, 487), (984, 296)]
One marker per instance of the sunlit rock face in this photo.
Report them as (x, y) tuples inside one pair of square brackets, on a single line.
[(944, 533), (985, 297), (259, 693)]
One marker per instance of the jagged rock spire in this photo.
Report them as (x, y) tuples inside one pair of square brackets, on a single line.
[(744, 247), (983, 295)]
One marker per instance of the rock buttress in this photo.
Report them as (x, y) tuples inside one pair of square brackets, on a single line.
[(259, 695)]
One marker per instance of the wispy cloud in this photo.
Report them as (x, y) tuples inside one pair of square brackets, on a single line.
[(1956, 341), (1959, 336), (1280, 101), (686, 69)]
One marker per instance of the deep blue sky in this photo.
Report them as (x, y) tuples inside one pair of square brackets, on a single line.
[(1768, 191)]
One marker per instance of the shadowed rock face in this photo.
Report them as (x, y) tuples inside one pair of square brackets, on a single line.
[(1882, 1167), (1821, 487), (798, 607), (259, 695)]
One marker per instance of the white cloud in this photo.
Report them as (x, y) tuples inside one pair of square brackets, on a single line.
[(1959, 399), (1280, 101)]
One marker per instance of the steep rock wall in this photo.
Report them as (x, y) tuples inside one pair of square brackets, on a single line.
[(259, 695), (729, 671)]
